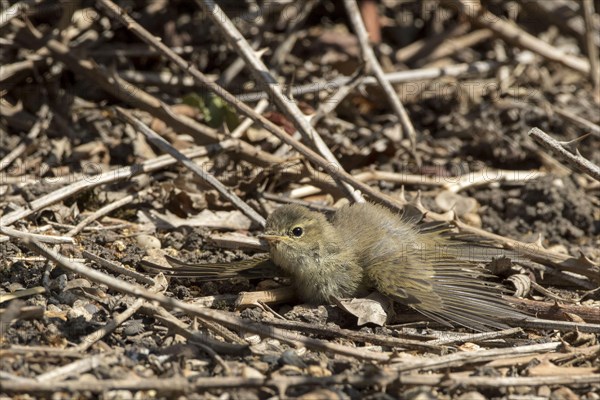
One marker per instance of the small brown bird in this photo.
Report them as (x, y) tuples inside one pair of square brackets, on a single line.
[(367, 247)]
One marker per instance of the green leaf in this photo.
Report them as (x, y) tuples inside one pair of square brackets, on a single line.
[(214, 110)]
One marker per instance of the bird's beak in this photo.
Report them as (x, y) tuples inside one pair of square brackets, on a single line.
[(271, 238)]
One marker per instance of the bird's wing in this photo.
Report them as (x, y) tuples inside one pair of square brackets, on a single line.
[(426, 266), (440, 282), (257, 267), (468, 247)]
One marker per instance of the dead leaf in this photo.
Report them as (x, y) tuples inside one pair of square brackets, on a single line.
[(280, 120), (77, 283), (60, 314), (546, 368), (371, 309), (461, 205)]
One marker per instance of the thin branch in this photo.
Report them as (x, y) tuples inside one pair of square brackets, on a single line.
[(76, 368), (106, 210), (117, 268), (577, 120), (270, 84), (476, 337), (462, 358), (22, 293), (207, 177), (291, 33), (587, 8), (558, 316), (452, 183), (325, 108), (90, 181), (135, 96), (576, 161), (87, 341), (35, 236), (515, 35), (442, 44), (167, 319), (381, 378), (200, 312), (47, 351), (564, 326), (357, 336), (458, 70), (199, 77), (369, 56), (549, 110), (235, 67), (537, 253), (247, 123), (27, 312), (40, 125)]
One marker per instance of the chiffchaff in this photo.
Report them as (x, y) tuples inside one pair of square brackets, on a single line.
[(366, 247)]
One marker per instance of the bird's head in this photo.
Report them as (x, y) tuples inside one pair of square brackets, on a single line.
[(297, 236)]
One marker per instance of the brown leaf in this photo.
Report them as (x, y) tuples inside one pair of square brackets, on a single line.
[(280, 120), (371, 309), (461, 205)]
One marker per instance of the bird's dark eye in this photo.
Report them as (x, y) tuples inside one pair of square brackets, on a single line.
[(297, 231)]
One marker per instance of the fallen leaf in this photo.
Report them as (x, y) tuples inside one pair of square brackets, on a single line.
[(371, 309)]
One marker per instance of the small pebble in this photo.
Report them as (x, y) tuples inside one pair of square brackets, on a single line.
[(147, 242), (471, 396), (251, 373)]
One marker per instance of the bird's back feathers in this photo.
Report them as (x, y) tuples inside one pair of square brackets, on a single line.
[(426, 269)]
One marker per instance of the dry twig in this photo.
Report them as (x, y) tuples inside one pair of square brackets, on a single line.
[(207, 177), (576, 161), (515, 35), (382, 378), (270, 84), (456, 70), (211, 315), (587, 8), (200, 78), (369, 56), (88, 182), (135, 96)]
